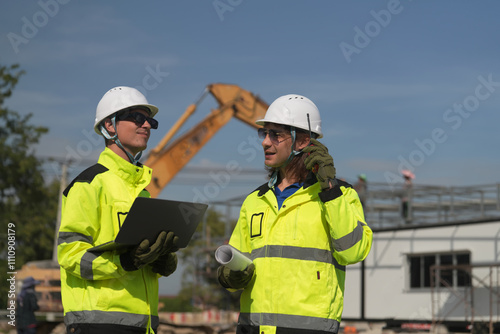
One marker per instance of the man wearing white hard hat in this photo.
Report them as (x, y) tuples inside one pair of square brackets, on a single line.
[(112, 291), (300, 229)]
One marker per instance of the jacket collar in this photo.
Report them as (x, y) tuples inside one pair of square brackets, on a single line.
[(124, 169), (309, 181)]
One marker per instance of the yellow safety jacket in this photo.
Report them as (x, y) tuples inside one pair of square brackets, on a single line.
[(300, 252), (95, 288)]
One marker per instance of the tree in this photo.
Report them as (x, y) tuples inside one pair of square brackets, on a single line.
[(28, 204)]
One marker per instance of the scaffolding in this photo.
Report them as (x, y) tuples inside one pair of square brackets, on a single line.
[(467, 301), (431, 204), (426, 205)]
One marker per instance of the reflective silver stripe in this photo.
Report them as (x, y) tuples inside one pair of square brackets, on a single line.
[(349, 240), (289, 321), (296, 253), (86, 264), (67, 237), (114, 318)]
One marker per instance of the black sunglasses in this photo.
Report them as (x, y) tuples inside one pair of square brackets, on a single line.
[(139, 119), (274, 135)]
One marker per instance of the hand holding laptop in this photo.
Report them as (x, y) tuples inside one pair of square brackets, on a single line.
[(143, 253), (165, 265), (146, 219)]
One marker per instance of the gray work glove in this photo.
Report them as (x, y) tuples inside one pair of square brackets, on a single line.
[(235, 279), (143, 253), (320, 162), (165, 265)]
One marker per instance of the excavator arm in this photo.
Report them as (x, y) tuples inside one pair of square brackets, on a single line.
[(167, 159)]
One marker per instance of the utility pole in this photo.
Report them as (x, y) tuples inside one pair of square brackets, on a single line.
[(63, 185)]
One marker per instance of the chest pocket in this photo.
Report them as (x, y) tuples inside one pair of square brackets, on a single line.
[(256, 224), (112, 217), (120, 211), (121, 217)]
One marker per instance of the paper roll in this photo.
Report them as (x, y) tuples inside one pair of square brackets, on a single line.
[(232, 258)]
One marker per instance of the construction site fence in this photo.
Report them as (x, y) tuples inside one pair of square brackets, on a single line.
[(215, 317)]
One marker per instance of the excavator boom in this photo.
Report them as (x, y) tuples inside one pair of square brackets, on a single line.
[(168, 158)]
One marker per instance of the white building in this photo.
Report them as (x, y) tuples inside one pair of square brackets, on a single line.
[(439, 267)]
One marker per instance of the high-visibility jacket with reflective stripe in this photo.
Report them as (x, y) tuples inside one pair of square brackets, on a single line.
[(300, 252), (95, 288)]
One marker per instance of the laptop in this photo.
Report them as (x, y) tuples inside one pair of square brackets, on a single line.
[(147, 217)]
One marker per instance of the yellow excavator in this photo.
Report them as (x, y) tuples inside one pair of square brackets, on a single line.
[(168, 158)]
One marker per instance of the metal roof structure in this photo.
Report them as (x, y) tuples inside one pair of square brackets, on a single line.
[(427, 204), (431, 204)]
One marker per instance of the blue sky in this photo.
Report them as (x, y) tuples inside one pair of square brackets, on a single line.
[(398, 83)]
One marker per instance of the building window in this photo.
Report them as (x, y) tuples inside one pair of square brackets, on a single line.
[(450, 271)]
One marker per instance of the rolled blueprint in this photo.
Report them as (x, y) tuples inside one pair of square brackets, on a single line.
[(232, 258)]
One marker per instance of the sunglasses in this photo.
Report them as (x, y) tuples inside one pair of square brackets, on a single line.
[(139, 119), (274, 135)]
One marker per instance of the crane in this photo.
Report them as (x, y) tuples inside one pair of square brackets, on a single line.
[(169, 157)]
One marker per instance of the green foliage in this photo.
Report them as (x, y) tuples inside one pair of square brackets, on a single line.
[(200, 286), (26, 200), (176, 304)]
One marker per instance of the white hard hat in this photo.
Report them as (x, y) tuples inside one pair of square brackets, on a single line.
[(292, 110), (117, 99)]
